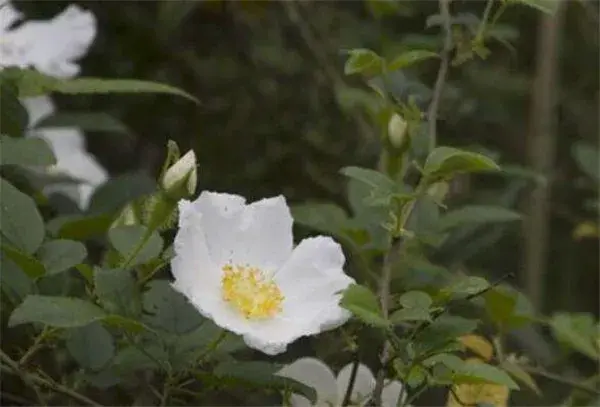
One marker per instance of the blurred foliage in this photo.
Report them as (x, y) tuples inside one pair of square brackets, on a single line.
[(277, 116)]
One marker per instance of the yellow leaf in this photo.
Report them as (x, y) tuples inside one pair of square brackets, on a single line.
[(472, 394), (478, 345), (587, 229)]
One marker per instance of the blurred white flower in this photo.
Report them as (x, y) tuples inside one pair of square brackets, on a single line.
[(236, 264), (181, 177), (52, 47), (331, 389)]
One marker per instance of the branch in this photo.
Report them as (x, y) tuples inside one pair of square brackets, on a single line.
[(440, 81)]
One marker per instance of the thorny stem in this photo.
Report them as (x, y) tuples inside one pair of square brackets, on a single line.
[(32, 379), (441, 76)]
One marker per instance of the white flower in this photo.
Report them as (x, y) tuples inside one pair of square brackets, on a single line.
[(236, 264), (182, 174), (52, 47), (72, 159), (331, 390)]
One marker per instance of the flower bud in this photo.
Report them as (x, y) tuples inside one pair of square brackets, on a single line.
[(397, 127), (180, 180)]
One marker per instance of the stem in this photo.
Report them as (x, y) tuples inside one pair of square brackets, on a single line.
[(484, 20), (137, 249), (37, 345), (560, 379), (212, 346), (441, 76), (348, 394), (32, 379)]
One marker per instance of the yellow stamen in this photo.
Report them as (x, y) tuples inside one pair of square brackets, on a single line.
[(247, 290)]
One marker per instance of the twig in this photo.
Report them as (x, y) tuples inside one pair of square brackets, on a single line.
[(348, 395), (37, 345), (560, 379), (32, 379), (440, 81), (14, 367)]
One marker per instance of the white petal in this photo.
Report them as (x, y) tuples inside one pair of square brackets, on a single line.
[(53, 46), (316, 374), (195, 274), (8, 15), (38, 108), (259, 234), (363, 384), (391, 393)]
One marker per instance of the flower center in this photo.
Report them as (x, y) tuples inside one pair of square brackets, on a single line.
[(247, 290)]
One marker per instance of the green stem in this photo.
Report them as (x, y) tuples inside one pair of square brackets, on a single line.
[(484, 20), (212, 346), (137, 249), (37, 345)]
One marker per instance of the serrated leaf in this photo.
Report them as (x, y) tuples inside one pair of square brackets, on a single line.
[(363, 61), (445, 162), (476, 214), (116, 290), (127, 324), (22, 225), (86, 121), (60, 255), (60, 312), (442, 331), (126, 238), (169, 310), (29, 151), (409, 58), (262, 374), (478, 372), (91, 346), (364, 305)]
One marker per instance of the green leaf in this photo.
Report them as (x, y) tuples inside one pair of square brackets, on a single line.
[(116, 291), (113, 195), (416, 299), (479, 372), (410, 314), (86, 121), (127, 324), (383, 188), (91, 346), (323, 217), (445, 162), (60, 255), (125, 239), (588, 159), (364, 305), (99, 85), (29, 264), (507, 308), (409, 58), (578, 331), (363, 61), (467, 285), (477, 214), (168, 309), (79, 227), (262, 374), (30, 151), (545, 6), (22, 225), (15, 284), (445, 329), (449, 360), (60, 312), (520, 375), (34, 83), (13, 115)]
